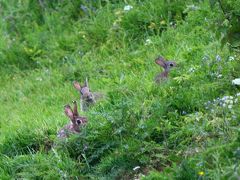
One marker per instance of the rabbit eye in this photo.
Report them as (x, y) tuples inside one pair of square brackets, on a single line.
[(78, 122), (171, 64)]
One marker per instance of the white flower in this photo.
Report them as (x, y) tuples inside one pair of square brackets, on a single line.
[(136, 168), (225, 98), (218, 58), (127, 8), (229, 106), (236, 81), (184, 112), (191, 8), (231, 58), (228, 101), (39, 79), (238, 94), (192, 69), (148, 42), (205, 58)]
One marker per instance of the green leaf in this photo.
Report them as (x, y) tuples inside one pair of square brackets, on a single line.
[(212, 3)]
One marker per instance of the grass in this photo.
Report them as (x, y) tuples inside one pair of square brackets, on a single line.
[(175, 130)]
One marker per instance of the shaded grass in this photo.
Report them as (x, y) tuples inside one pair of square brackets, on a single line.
[(165, 129)]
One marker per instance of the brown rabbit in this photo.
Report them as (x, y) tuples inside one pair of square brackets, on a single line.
[(87, 97), (76, 121), (167, 65)]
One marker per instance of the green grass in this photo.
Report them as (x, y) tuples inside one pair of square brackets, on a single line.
[(165, 129)]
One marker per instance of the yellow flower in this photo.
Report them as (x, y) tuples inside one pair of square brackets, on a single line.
[(152, 25), (28, 50), (118, 13), (201, 173), (163, 22)]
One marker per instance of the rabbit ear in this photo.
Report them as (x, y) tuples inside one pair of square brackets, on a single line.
[(161, 61), (75, 111), (69, 112), (77, 85), (86, 82)]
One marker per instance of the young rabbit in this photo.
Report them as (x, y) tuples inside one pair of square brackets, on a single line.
[(167, 65), (87, 97), (76, 121)]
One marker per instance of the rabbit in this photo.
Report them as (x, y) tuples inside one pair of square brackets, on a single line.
[(76, 121), (87, 97), (167, 65)]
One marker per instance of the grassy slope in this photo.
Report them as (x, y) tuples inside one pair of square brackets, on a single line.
[(165, 129)]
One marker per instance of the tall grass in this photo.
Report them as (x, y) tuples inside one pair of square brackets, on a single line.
[(177, 130)]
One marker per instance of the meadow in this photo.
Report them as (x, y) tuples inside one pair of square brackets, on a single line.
[(187, 127)]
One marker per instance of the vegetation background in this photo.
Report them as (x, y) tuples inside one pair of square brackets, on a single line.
[(184, 128)]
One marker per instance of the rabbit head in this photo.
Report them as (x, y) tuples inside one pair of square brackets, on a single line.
[(84, 91), (76, 121), (167, 65), (73, 115)]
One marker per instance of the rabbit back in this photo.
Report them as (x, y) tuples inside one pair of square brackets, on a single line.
[(66, 130), (161, 77)]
